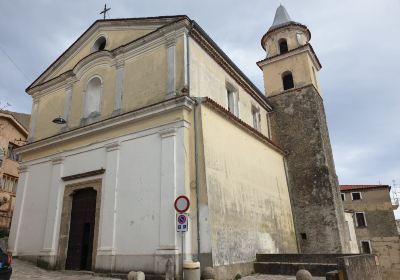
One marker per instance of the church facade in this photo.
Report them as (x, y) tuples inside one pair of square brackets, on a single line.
[(148, 109)]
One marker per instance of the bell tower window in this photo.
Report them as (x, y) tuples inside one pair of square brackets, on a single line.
[(287, 80), (283, 47)]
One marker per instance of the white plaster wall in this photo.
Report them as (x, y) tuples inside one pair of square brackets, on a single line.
[(33, 223), (139, 196), (151, 174)]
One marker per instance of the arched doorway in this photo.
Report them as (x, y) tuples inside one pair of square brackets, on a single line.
[(81, 231)]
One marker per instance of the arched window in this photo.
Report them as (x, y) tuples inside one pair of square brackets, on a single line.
[(99, 45), (287, 80), (93, 97), (283, 47)]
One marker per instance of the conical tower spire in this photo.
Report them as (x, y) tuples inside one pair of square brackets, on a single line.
[(281, 18)]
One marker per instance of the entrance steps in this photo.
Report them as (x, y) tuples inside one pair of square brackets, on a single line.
[(289, 264)]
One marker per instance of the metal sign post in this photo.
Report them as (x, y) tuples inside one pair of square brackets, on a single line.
[(181, 205)]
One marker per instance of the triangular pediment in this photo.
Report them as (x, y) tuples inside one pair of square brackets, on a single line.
[(117, 33)]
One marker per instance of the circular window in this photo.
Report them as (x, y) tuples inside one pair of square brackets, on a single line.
[(99, 45)]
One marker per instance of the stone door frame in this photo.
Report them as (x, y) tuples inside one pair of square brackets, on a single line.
[(69, 191)]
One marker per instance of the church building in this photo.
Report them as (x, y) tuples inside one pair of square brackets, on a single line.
[(139, 111)]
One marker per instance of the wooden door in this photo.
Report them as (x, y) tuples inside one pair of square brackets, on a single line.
[(81, 231)]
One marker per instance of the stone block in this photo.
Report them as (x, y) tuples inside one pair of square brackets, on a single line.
[(136, 275)]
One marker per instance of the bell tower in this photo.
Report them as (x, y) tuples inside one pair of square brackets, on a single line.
[(298, 124)]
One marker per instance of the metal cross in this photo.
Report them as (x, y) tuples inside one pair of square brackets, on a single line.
[(105, 11)]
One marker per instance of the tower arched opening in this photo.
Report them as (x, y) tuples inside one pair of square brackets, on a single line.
[(287, 80)]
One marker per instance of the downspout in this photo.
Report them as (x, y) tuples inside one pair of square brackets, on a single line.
[(197, 102)]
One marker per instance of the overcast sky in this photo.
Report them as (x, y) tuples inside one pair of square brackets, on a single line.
[(357, 43)]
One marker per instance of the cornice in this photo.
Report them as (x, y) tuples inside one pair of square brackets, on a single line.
[(306, 48), (99, 25), (279, 28), (113, 57), (177, 103)]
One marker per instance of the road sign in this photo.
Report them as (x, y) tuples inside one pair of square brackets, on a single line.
[(181, 204), (182, 224)]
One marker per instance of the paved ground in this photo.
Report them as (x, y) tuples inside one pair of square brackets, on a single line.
[(24, 270), (274, 277)]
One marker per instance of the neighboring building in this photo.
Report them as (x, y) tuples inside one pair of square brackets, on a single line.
[(154, 109), (348, 216), (13, 134), (375, 223)]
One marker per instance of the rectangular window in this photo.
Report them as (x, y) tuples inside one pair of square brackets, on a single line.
[(255, 112), (233, 105), (360, 219), (343, 196), (366, 247), (356, 196)]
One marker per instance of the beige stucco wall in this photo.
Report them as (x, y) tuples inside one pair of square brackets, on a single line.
[(9, 133), (50, 106), (145, 79), (381, 228), (144, 83), (248, 199), (290, 34), (301, 67), (208, 78)]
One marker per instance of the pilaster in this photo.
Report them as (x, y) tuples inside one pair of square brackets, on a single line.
[(120, 71), (52, 226), (19, 209), (171, 71), (168, 246), (106, 245), (32, 128)]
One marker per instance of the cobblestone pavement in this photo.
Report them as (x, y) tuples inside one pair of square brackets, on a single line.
[(24, 270), (274, 277)]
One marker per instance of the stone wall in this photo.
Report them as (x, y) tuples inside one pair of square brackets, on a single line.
[(298, 124), (359, 267)]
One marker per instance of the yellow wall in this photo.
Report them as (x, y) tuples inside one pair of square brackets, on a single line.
[(289, 34), (145, 79), (301, 67), (207, 78), (144, 83), (50, 106), (249, 205), (115, 38)]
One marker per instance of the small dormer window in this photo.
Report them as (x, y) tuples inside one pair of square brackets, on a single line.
[(100, 44), (283, 47)]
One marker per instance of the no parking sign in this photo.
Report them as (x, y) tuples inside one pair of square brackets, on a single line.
[(182, 224)]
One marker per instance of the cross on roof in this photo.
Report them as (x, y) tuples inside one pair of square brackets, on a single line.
[(105, 11)]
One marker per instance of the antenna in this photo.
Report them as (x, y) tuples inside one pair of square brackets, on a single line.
[(395, 193)]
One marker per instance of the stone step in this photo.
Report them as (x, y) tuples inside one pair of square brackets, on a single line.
[(285, 268), (299, 258)]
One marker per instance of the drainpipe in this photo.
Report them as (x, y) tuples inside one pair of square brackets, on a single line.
[(197, 102)]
